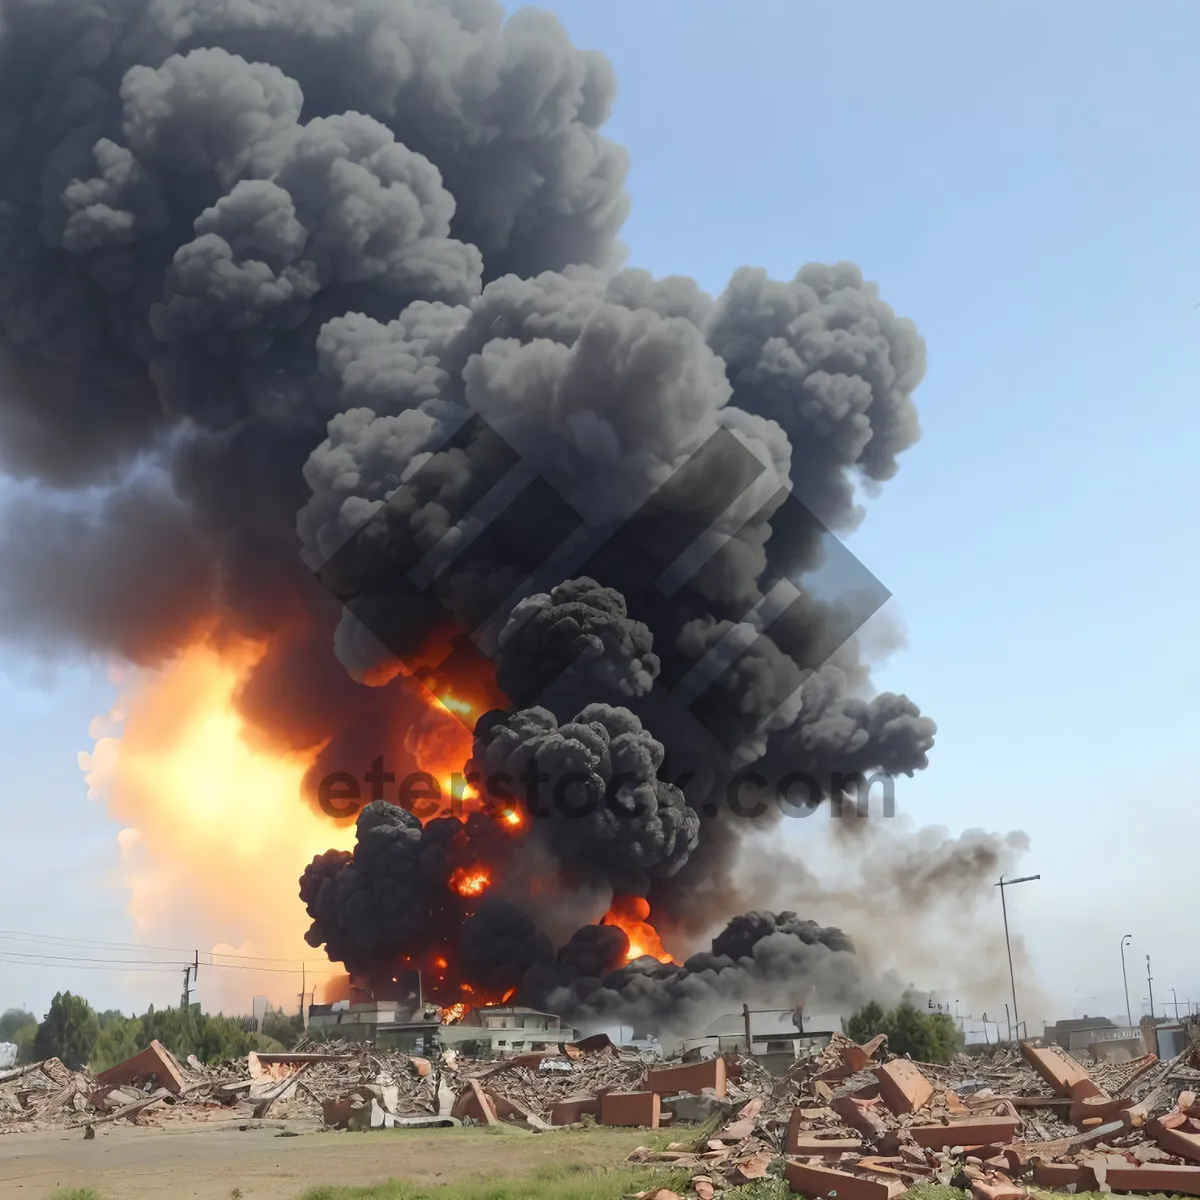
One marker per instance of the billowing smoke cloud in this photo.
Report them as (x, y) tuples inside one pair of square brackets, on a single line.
[(259, 265), (593, 791)]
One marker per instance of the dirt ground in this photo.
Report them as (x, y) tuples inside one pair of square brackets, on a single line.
[(210, 1162)]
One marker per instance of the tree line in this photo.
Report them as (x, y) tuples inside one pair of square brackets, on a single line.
[(74, 1032), (930, 1037)]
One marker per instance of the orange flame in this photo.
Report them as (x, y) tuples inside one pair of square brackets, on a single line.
[(629, 913), (470, 881), (213, 828), (454, 1013)]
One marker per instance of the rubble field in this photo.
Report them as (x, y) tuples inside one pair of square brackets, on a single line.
[(851, 1121)]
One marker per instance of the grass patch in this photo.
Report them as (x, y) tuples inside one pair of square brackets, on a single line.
[(936, 1191), (761, 1189), (572, 1182)]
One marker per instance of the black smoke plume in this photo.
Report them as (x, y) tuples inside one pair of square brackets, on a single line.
[(259, 262)]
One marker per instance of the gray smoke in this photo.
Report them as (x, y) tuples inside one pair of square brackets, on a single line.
[(259, 262), (776, 959)]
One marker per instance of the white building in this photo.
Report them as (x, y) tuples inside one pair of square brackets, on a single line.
[(506, 1029)]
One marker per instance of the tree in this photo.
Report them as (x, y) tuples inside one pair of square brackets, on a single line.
[(24, 1041), (285, 1030), (925, 1037), (118, 1040), (866, 1023), (12, 1020), (69, 1031)]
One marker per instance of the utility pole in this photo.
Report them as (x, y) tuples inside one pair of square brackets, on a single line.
[(1128, 1011), (303, 989), (183, 999), (1176, 1000), (746, 1019), (1008, 945), (1150, 983)]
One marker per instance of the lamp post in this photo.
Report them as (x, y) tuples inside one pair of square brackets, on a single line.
[(1008, 945), (1176, 999), (1128, 1011), (1150, 983)]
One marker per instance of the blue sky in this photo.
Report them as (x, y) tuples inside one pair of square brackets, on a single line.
[(1021, 180)]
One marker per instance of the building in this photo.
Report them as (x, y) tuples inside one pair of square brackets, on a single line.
[(384, 1012), (1077, 1034), (390, 1014), (1122, 1043), (773, 1032), (501, 1030)]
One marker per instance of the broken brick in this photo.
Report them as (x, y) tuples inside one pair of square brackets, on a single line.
[(571, 1112), (1062, 1175), (902, 1086), (807, 1145), (1099, 1109), (859, 1114), (1060, 1071), (857, 1057), (823, 1181), (1175, 1141), (978, 1131), (694, 1077), (475, 1103), (631, 1108), (155, 1062), (1155, 1177)]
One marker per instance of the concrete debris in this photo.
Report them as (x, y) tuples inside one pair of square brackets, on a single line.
[(849, 1120)]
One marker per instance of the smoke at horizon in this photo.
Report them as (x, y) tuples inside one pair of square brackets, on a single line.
[(262, 266)]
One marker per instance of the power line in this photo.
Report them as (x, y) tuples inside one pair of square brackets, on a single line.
[(118, 963), (70, 966), (49, 938)]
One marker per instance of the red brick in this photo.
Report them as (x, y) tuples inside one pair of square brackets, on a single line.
[(570, 1112), (155, 1062), (694, 1078), (823, 1181), (474, 1102), (978, 1131), (902, 1086), (505, 1108), (1060, 1071), (630, 1108), (857, 1057), (859, 1114), (1155, 1177), (1098, 1108), (1175, 1141), (1061, 1175), (809, 1144)]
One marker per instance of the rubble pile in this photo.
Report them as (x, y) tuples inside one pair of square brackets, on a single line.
[(867, 1126), (852, 1120)]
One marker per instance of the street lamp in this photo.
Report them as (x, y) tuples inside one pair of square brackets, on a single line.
[(1176, 999), (1150, 983), (1008, 945), (1128, 1011)]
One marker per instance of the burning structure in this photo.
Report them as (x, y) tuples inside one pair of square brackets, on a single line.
[(263, 266)]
